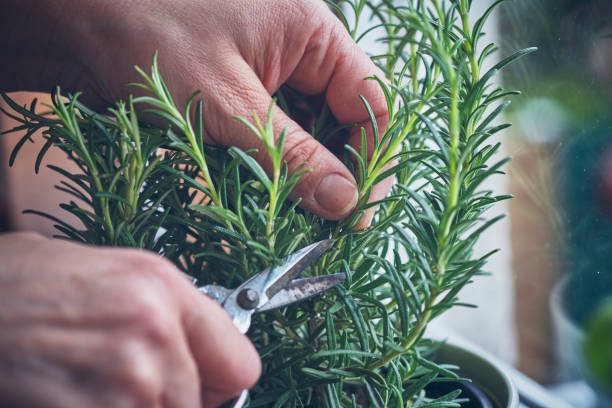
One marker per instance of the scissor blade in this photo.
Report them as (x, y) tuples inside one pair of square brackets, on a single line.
[(293, 265), (300, 289)]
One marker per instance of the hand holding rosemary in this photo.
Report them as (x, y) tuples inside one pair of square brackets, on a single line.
[(220, 214), (236, 53)]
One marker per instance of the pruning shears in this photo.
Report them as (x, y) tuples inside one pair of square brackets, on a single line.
[(273, 287)]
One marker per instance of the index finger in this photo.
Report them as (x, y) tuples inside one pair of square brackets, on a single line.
[(333, 64)]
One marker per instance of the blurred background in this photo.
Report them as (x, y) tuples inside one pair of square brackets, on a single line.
[(561, 143), (554, 272), (561, 176)]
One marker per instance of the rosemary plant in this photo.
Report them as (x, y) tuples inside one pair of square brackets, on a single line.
[(217, 215)]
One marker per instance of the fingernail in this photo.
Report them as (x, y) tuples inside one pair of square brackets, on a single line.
[(336, 194)]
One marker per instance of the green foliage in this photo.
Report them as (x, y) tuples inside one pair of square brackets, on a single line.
[(220, 218), (597, 352)]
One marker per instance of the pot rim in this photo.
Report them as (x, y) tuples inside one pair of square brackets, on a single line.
[(491, 382)]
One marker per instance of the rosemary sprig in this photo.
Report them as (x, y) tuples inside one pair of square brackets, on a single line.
[(164, 106)]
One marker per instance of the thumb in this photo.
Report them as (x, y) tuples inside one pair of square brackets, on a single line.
[(328, 189), (227, 361)]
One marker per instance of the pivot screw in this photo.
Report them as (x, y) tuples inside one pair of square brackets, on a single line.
[(248, 299)]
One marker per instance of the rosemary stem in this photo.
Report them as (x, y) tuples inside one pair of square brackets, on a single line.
[(468, 46), (407, 343)]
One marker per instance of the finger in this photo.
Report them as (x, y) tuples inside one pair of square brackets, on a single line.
[(182, 381), (328, 190), (226, 360), (379, 191), (334, 64)]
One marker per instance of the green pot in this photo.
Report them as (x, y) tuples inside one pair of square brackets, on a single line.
[(492, 384)]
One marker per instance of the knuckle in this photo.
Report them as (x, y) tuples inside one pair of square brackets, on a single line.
[(302, 151), (147, 263), (137, 373), (147, 288), (301, 9), (308, 9), (152, 321), (325, 28)]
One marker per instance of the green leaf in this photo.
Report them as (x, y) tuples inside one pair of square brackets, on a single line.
[(477, 29), (42, 153), (20, 143), (318, 373), (252, 165), (114, 197)]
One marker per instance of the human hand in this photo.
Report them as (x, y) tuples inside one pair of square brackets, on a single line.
[(237, 52), (90, 327)]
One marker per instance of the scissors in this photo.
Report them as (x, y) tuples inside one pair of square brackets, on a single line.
[(273, 287)]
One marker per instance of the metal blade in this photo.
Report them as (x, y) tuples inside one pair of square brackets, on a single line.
[(300, 289), (258, 290), (293, 265), (217, 293)]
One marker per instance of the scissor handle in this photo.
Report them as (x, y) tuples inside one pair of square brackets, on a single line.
[(241, 399), (229, 299)]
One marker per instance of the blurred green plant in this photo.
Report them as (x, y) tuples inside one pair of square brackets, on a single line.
[(597, 347), (217, 215)]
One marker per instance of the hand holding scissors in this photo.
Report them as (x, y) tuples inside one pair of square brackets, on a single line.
[(273, 287)]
